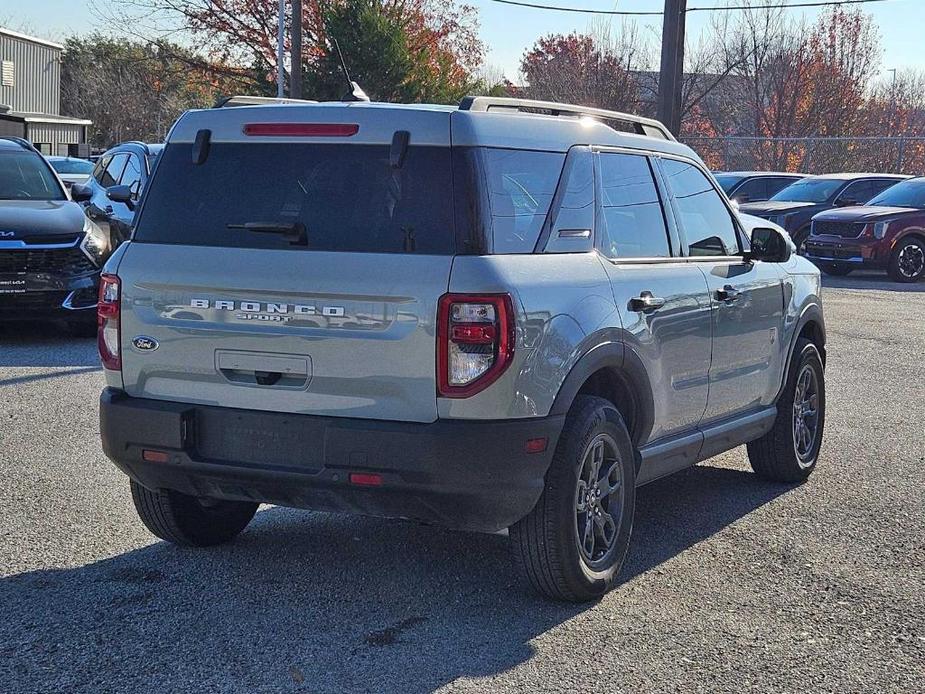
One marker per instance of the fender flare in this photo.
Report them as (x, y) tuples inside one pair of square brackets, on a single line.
[(811, 313), (626, 365)]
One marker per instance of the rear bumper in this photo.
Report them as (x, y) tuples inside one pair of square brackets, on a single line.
[(460, 473)]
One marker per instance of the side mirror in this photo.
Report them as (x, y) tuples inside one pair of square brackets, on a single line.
[(770, 246), (121, 194), (81, 192)]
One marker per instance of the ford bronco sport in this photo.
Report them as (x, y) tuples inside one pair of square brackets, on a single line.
[(503, 315)]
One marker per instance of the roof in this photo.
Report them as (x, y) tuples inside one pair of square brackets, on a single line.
[(748, 174), (852, 176), (9, 143), (430, 125), (43, 118), (31, 39)]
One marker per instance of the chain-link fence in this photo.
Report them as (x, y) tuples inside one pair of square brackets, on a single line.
[(815, 155)]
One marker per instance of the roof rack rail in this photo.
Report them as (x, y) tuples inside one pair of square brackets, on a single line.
[(640, 125), (245, 100)]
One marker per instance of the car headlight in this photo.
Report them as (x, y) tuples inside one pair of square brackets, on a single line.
[(95, 245), (880, 229)]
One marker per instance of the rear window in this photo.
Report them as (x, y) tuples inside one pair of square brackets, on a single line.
[(347, 197)]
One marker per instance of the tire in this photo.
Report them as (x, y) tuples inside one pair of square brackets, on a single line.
[(186, 521), (836, 270), (789, 452), (550, 546), (907, 262), (799, 239)]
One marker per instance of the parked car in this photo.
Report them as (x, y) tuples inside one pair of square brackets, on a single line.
[(71, 170), (112, 192), (794, 207), (50, 252), (755, 186), (320, 334), (887, 233)]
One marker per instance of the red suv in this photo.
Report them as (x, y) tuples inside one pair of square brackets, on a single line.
[(888, 232)]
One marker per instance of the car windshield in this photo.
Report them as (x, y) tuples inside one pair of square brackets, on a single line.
[(25, 176), (905, 194), (810, 190), (728, 181), (71, 166)]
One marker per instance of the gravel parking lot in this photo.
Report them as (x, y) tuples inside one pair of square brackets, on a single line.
[(732, 584)]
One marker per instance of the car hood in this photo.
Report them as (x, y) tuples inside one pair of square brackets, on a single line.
[(776, 207), (866, 214), (31, 218)]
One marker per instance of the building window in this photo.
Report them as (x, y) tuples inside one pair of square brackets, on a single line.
[(6, 74)]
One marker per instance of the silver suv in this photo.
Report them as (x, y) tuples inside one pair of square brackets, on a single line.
[(501, 315)]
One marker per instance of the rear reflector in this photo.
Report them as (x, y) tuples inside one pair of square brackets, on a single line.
[(366, 479), (155, 456), (535, 445), (302, 129)]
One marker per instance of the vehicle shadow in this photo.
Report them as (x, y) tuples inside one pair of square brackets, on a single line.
[(45, 344), (329, 602), (870, 280)]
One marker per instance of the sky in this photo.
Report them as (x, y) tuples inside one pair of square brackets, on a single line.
[(507, 30)]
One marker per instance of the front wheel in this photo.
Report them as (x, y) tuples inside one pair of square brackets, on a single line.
[(571, 546), (189, 521), (788, 452), (907, 262)]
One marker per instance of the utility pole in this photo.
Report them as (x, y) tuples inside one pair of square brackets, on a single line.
[(295, 72), (672, 72), (281, 51)]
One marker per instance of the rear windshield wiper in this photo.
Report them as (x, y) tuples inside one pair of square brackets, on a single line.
[(294, 232)]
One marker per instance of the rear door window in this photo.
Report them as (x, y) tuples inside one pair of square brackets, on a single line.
[(347, 198), (633, 220), (705, 219)]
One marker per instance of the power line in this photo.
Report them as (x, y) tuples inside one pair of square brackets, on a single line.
[(658, 13)]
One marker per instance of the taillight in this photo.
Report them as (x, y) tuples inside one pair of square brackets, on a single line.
[(475, 342), (108, 325), (302, 129)]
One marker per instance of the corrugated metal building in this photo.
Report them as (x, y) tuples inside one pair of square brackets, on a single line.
[(30, 95)]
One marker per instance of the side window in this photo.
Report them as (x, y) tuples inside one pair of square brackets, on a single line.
[(131, 177), (572, 220), (776, 185), (633, 220), (113, 171), (754, 190), (858, 192), (521, 185), (706, 220), (100, 168), (877, 187)]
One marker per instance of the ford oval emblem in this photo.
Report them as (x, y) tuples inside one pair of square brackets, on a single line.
[(145, 343)]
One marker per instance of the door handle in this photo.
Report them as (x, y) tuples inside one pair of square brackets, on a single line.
[(728, 294), (646, 302)]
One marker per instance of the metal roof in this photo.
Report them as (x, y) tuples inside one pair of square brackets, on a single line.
[(31, 39)]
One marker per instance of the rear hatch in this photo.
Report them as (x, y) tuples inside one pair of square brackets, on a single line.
[(291, 260)]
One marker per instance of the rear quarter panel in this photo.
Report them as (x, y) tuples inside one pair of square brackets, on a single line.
[(564, 305)]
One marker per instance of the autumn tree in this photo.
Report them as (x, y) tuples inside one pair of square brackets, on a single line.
[(131, 90), (591, 69), (438, 48)]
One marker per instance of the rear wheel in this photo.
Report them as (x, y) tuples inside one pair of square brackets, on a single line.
[(571, 546), (907, 262), (188, 521), (788, 452), (836, 270)]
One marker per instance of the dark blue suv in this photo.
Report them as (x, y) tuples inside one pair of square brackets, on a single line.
[(111, 194), (50, 253)]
